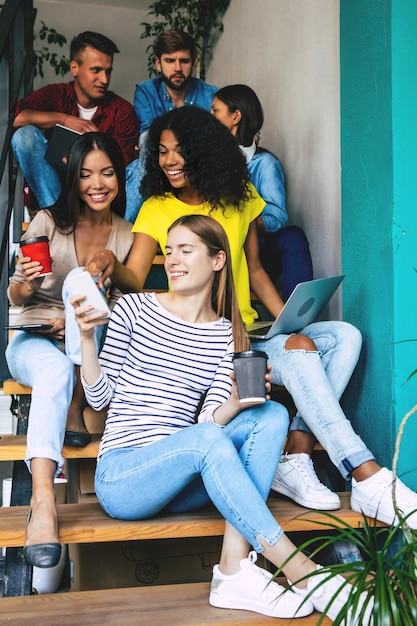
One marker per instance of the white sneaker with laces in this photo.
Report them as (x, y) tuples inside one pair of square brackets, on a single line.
[(297, 479), (373, 497), (335, 594), (252, 589)]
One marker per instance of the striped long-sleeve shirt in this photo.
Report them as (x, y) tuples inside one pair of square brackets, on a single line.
[(155, 369)]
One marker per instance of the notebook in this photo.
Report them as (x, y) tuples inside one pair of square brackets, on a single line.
[(302, 308), (59, 144)]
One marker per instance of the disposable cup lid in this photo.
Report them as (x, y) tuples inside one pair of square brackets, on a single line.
[(26, 242), (250, 354)]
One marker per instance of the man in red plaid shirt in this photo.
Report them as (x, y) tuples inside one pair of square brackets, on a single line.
[(84, 105)]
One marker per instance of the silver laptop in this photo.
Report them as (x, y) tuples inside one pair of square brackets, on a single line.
[(302, 308)]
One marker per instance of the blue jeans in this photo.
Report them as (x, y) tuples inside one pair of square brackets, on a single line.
[(231, 466), (286, 253), (134, 199), (316, 381), (39, 362), (29, 145)]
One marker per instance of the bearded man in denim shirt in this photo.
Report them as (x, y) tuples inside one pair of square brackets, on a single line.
[(175, 56)]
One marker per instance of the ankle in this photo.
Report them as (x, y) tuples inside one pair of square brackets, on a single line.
[(365, 471)]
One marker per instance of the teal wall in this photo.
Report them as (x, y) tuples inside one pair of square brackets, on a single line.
[(379, 218)]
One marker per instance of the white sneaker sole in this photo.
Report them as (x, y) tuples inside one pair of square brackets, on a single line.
[(239, 603), (323, 506)]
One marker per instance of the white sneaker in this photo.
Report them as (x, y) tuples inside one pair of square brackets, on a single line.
[(296, 479), (373, 497), (331, 596), (253, 589)]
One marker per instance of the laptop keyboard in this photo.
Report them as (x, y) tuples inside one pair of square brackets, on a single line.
[(259, 332)]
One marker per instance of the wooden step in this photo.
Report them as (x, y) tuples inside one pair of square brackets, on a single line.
[(12, 388), (86, 522), (13, 448), (176, 605)]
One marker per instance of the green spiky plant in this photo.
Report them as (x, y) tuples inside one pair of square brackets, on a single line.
[(387, 571)]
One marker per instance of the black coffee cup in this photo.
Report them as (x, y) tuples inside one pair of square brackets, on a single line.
[(250, 368)]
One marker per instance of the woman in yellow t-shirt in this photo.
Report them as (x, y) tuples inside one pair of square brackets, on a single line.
[(205, 175)]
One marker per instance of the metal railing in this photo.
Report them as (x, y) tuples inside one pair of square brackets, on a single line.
[(17, 18)]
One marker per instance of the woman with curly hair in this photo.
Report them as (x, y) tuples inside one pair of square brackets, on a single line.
[(194, 165)]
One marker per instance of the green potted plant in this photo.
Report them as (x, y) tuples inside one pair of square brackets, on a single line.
[(199, 18), (59, 62), (386, 569)]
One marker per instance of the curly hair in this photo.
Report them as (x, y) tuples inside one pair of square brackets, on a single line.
[(214, 165)]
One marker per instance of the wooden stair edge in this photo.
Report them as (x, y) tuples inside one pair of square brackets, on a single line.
[(185, 604), (13, 448), (86, 522), (12, 388)]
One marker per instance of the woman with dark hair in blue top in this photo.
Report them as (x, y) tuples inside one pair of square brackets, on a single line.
[(284, 250)]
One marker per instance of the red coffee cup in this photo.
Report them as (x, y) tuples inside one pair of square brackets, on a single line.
[(38, 250)]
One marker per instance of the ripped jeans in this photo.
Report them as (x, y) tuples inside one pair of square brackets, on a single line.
[(316, 381)]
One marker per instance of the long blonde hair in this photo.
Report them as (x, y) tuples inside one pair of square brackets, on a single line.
[(224, 299)]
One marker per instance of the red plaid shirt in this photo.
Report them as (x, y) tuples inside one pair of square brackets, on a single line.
[(114, 114)]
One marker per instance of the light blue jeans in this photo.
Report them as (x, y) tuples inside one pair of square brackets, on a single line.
[(40, 363), (29, 145), (316, 381), (231, 466), (134, 199)]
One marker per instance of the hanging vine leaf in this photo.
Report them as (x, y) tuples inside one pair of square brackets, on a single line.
[(59, 62)]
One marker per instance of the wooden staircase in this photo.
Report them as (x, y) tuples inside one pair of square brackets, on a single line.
[(86, 522)]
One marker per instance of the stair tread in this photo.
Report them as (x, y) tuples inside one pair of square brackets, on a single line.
[(86, 522), (13, 448), (177, 605)]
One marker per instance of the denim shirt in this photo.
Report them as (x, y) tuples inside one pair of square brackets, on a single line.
[(152, 99), (267, 176)]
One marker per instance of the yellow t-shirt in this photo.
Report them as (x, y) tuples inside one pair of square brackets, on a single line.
[(159, 212)]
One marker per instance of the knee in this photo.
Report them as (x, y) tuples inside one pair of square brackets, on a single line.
[(274, 417), (300, 342), (25, 137), (348, 335), (295, 237)]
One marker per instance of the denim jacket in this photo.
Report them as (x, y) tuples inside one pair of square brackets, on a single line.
[(152, 99), (267, 176)]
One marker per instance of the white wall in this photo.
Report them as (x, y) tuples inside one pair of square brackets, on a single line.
[(288, 51)]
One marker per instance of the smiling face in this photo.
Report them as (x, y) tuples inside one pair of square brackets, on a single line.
[(188, 264), (176, 69), (171, 160), (98, 184), (91, 72)]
